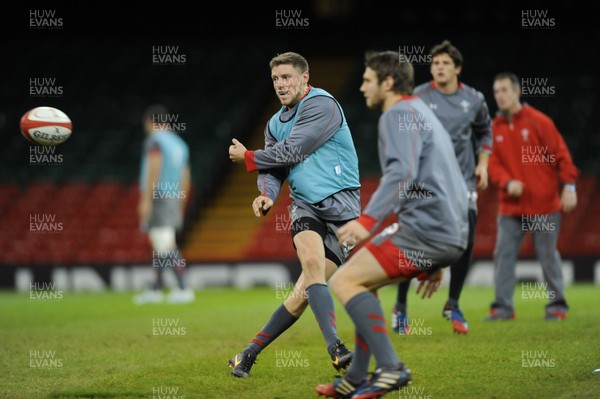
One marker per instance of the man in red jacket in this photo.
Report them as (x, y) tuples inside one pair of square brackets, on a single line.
[(530, 164)]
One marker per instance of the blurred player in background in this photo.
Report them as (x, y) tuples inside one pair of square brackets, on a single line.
[(530, 162), (309, 144), (463, 111), (430, 234), (164, 191)]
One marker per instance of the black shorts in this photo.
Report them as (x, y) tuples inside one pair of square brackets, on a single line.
[(303, 220)]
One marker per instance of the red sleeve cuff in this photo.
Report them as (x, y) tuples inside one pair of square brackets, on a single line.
[(249, 158), (422, 276), (367, 221)]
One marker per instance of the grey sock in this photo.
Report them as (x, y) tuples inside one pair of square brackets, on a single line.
[(321, 303), (367, 315), (280, 321), (360, 360), (178, 264), (158, 283)]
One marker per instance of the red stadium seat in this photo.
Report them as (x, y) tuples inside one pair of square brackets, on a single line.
[(100, 225)]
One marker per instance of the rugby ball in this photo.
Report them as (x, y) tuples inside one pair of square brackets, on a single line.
[(46, 126)]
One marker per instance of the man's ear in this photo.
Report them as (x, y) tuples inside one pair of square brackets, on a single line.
[(388, 83)]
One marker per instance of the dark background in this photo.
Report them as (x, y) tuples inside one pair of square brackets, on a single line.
[(102, 58)]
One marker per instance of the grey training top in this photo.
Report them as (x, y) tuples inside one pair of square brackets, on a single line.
[(466, 117), (422, 182), (317, 122)]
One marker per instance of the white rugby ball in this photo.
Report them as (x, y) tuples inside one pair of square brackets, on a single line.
[(46, 126)]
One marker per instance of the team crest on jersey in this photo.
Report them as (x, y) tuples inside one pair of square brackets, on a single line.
[(499, 138), (465, 105), (525, 134), (432, 106)]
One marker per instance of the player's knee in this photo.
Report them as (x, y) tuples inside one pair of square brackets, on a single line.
[(337, 283), (312, 262), (162, 239)]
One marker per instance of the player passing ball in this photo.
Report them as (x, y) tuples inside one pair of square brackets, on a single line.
[(309, 144)]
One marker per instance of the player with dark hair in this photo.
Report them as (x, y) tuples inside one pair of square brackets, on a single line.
[(463, 111), (309, 144), (431, 232), (164, 191)]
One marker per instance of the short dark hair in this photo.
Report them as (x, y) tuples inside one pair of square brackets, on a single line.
[(510, 76), (446, 47), (290, 58), (389, 63), (155, 109)]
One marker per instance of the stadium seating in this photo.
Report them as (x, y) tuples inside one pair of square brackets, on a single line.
[(100, 226), (578, 237), (92, 190)]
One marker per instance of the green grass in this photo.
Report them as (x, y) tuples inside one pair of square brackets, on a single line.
[(107, 348)]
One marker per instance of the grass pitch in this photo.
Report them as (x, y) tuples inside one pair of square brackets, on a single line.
[(103, 346)]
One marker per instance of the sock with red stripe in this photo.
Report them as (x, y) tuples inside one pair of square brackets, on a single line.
[(360, 360), (321, 303), (367, 315), (280, 321)]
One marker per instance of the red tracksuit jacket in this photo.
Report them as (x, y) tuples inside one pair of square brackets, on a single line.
[(530, 149)]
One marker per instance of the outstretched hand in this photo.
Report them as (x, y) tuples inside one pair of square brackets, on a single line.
[(236, 151), (431, 284)]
